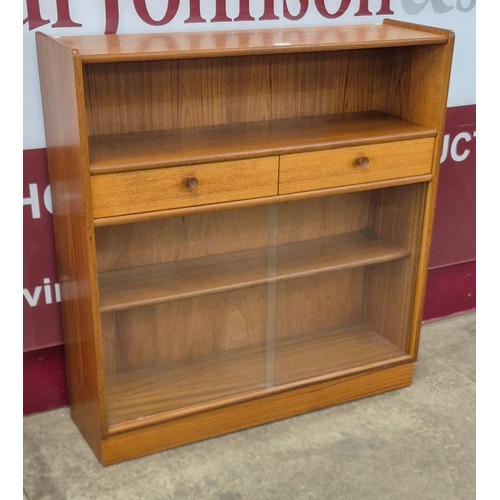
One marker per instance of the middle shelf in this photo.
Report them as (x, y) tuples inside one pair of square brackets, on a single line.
[(169, 281), (235, 141)]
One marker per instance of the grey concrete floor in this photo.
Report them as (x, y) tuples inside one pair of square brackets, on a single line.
[(416, 443)]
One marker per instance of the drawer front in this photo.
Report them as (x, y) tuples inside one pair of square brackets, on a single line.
[(355, 165), (178, 187)]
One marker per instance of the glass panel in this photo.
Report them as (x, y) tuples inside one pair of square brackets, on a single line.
[(346, 269), (202, 308), (184, 310)]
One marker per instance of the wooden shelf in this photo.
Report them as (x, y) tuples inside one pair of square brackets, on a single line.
[(176, 280), (165, 392), (115, 48), (135, 151), (318, 354)]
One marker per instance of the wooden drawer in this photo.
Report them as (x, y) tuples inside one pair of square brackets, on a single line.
[(177, 187), (355, 165)]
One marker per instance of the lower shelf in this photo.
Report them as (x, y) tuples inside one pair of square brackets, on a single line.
[(269, 408), (162, 393)]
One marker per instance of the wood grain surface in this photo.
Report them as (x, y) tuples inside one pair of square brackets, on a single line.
[(259, 410), (74, 235), (338, 167), (140, 150), (160, 391), (160, 189), (211, 44), (138, 286)]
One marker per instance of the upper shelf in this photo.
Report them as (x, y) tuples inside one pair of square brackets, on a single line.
[(115, 48), (134, 151)]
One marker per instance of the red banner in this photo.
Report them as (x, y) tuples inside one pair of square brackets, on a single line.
[(41, 294), (454, 232)]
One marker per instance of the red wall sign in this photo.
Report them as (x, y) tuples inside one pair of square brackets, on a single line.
[(454, 232), (41, 293)]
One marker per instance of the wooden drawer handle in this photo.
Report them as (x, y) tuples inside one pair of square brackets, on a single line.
[(362, 161), (192, 183)]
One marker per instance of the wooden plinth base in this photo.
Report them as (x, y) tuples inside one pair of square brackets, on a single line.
[(208, 424)]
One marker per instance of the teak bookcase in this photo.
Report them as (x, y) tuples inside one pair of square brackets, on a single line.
[(243, 221)]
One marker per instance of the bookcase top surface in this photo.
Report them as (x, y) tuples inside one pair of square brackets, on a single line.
[(109, 48)]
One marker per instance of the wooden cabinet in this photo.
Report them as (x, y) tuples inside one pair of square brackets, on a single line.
[(242, 221)]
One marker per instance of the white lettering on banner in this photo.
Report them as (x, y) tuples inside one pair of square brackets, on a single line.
[(414, 7), (32, 298), (33, 200), (47, 199), (454, 148)]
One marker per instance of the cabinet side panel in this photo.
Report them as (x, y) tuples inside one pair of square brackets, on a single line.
[(396, 215), (60, 79), (430, 77), (425, 71), (424, 75)]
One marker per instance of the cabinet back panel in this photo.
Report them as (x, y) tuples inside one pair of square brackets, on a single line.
[(171, 239), (162, 95), (185, 330), (322, 217), (312, 304)]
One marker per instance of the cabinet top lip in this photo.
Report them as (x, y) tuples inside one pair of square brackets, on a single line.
[(185, 45)]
